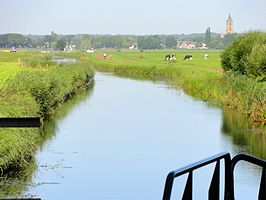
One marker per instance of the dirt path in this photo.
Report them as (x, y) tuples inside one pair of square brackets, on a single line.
[(216, 70), (100, 56)]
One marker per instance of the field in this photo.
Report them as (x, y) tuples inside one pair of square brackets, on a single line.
[(7, 70), (9, 63), (156, 58)]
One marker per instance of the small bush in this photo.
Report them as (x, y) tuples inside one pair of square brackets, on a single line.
[(41, 61), (256, 61)]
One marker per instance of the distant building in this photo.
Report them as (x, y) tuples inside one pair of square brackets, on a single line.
[(229, 25), (186, 45), (183, 45), (134, 46), (90, 50), (222, 35), (14, 50), (69, 47), (203, 46)]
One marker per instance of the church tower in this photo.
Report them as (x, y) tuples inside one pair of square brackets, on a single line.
[(229, 25)]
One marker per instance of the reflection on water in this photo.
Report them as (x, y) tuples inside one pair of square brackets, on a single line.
[(51, 125), (120, 141), (59, 59), (14, 184), (246, 137), (240, 136)]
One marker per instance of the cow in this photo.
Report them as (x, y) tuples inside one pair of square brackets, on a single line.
[(206, 56), (170, 57), (188, 57)]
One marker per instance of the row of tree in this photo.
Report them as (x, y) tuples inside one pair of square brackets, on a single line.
[(85, 41)]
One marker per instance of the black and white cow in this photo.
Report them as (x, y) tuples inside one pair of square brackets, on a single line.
[(170, 57), (188, 57)]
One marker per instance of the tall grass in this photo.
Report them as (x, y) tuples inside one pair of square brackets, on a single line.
[(52, 85), (35, 90)]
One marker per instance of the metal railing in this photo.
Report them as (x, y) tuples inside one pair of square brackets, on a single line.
[(26, 122), (22, 199), (214, 188)]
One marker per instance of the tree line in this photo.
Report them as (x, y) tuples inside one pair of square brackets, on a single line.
[(86, 41)]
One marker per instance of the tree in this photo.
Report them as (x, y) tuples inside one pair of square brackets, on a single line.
[(61, 44), (51, 40), (229, 38), (85, 42), (149, 42), (246, 55), (170, 42), (208, 35)]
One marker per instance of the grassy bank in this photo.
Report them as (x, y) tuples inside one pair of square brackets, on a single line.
[(33, 85), (198, 77)]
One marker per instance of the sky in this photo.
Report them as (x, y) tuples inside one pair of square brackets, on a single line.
[(138, 17)]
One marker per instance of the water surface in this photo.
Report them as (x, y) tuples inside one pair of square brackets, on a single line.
[(122, 138)]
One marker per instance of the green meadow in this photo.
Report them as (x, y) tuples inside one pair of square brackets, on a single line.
[(7, 70)]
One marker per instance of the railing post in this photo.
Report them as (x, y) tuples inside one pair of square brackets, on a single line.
[(262, 192), (187, 195), (228, 179), (214, 189), (168, 186)]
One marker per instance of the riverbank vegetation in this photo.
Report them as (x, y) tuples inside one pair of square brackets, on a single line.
[(201, 78), (34, 86)]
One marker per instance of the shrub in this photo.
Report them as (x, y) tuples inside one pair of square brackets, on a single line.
[(256, 61), (246, 55), (40, 61)]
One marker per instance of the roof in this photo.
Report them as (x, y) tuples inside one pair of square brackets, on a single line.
[(229, 18)]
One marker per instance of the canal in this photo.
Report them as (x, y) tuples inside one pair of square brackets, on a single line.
[(119, 140)]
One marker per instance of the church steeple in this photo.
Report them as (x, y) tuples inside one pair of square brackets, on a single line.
[(229, 18), (229, 25)]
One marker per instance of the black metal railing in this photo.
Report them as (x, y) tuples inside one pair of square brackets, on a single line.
[(26, 122), (214, 188), (22, 199)]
